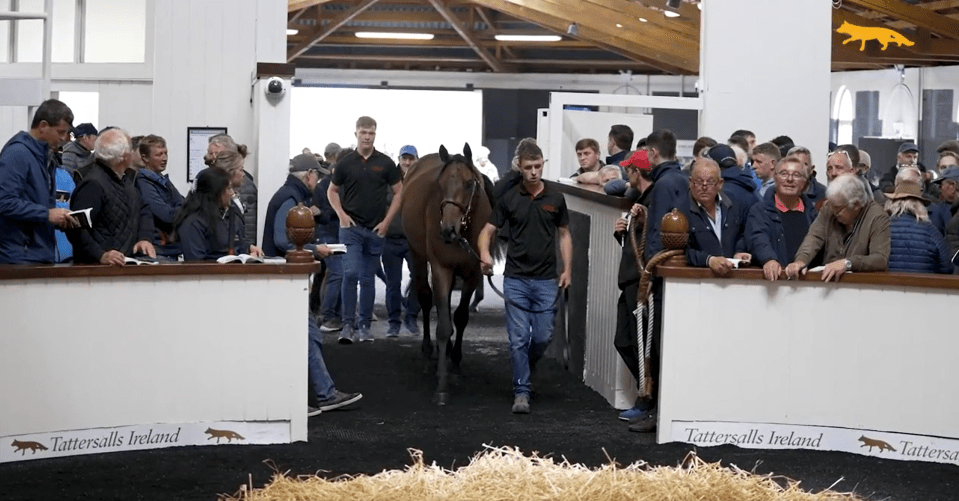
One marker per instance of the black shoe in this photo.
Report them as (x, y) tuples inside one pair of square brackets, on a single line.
[(339, 399), (644, 424)]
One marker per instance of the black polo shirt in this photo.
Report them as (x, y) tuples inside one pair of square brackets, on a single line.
[(532, 230), (363, 183)]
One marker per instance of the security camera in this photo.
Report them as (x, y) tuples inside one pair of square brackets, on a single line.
[(275, 88)]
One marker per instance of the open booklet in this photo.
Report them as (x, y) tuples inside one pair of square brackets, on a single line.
[(337, 248), (83, 216), (737, 263), (246, 258), (139, 260)]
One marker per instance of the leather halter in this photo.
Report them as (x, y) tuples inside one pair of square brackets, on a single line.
[(467, 212)]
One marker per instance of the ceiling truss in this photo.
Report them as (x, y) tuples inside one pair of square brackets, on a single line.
[(601, 40)]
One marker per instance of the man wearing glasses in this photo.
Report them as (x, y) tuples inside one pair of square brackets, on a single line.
[(776, 227), (715, 221)]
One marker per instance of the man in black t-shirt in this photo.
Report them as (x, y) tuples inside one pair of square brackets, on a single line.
[(358, 195), (538, 219)]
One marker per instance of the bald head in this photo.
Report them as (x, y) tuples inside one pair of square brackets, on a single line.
[(706, 167)]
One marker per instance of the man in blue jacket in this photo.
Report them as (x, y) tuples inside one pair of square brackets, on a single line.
[(715, 221), (28, 211), (776, 227), (159, 193)]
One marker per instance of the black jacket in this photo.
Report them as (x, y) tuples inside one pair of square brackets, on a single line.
[(120, 217)]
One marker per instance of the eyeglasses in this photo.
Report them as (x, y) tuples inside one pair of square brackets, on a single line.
[(792, 176), (844, 152), (703, 184)]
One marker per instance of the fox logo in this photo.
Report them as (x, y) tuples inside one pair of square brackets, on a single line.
[(885, 36), (872, 442), (227, 434), (23, 446)]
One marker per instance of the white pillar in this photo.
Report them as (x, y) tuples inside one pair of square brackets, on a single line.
[(765, 66), (271, 144)]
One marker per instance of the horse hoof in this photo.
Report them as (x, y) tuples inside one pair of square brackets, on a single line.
[(441, 398)]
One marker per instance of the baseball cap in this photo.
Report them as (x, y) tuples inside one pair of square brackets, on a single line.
[(639, 159), (951, 174), (409, 150), (306, 162), (84, 129), (904, 147), (722, 154)]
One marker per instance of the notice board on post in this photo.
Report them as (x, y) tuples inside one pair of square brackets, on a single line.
[(197, 139)]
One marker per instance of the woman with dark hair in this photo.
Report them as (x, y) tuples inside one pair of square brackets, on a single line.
[(207, 227)]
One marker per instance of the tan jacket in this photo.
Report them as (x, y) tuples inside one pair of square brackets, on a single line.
[(867, 248)]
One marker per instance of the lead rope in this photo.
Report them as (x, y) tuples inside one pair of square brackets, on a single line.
[(645, 303)]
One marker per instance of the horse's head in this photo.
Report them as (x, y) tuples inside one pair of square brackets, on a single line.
[(460, 185)]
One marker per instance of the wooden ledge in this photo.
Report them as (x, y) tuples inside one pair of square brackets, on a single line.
[(886, 279), (592, 193), (27, 272)]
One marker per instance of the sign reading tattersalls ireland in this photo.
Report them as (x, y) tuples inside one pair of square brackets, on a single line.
[(889, 445), (128, 438)]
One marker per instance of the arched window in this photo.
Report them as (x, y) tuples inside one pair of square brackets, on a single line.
[(844, 113)]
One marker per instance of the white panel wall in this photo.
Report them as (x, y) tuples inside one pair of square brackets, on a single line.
[(13, 119), (205, 57), (198, 358), (127, 105), (604, 370), (861, 361), (739, 94)]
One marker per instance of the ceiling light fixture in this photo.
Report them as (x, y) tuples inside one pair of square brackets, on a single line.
[(619, 25), (672, 8), (528, 38), (572, 29), (643, 19), (400, 36), (291, 32)]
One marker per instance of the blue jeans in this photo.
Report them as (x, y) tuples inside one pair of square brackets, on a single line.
[(363, 250), (330, 308), (394, 252), (320, 381), (529, 333)]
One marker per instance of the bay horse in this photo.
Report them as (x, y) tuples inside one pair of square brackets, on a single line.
[(446, 203)]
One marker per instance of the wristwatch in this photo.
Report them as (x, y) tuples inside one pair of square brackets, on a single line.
[(848, 265)]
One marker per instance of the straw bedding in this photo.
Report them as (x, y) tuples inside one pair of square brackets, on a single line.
[(507, 474)]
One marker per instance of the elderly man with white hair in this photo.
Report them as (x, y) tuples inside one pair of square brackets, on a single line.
[(851, 229), (122, 224)]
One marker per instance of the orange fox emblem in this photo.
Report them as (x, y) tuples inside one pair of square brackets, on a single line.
[(885, 36), (23, 446), (227, 434), (872, 442)]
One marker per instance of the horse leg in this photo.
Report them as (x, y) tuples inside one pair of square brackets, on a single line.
[(442, 283), (461, 317)]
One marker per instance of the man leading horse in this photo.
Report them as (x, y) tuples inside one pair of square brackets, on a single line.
[(538, 220)]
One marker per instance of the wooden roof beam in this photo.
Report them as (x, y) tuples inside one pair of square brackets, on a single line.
[(477, 47), (922, 18), (293, 5), (322, 33), (623, 47), (656, 42)]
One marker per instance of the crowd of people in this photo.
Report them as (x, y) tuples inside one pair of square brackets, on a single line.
[(104, 198)]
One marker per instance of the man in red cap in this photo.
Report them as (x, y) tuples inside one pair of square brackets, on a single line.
[(638, 171)]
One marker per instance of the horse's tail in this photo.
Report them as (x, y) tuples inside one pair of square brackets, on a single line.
[(497, 248)]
